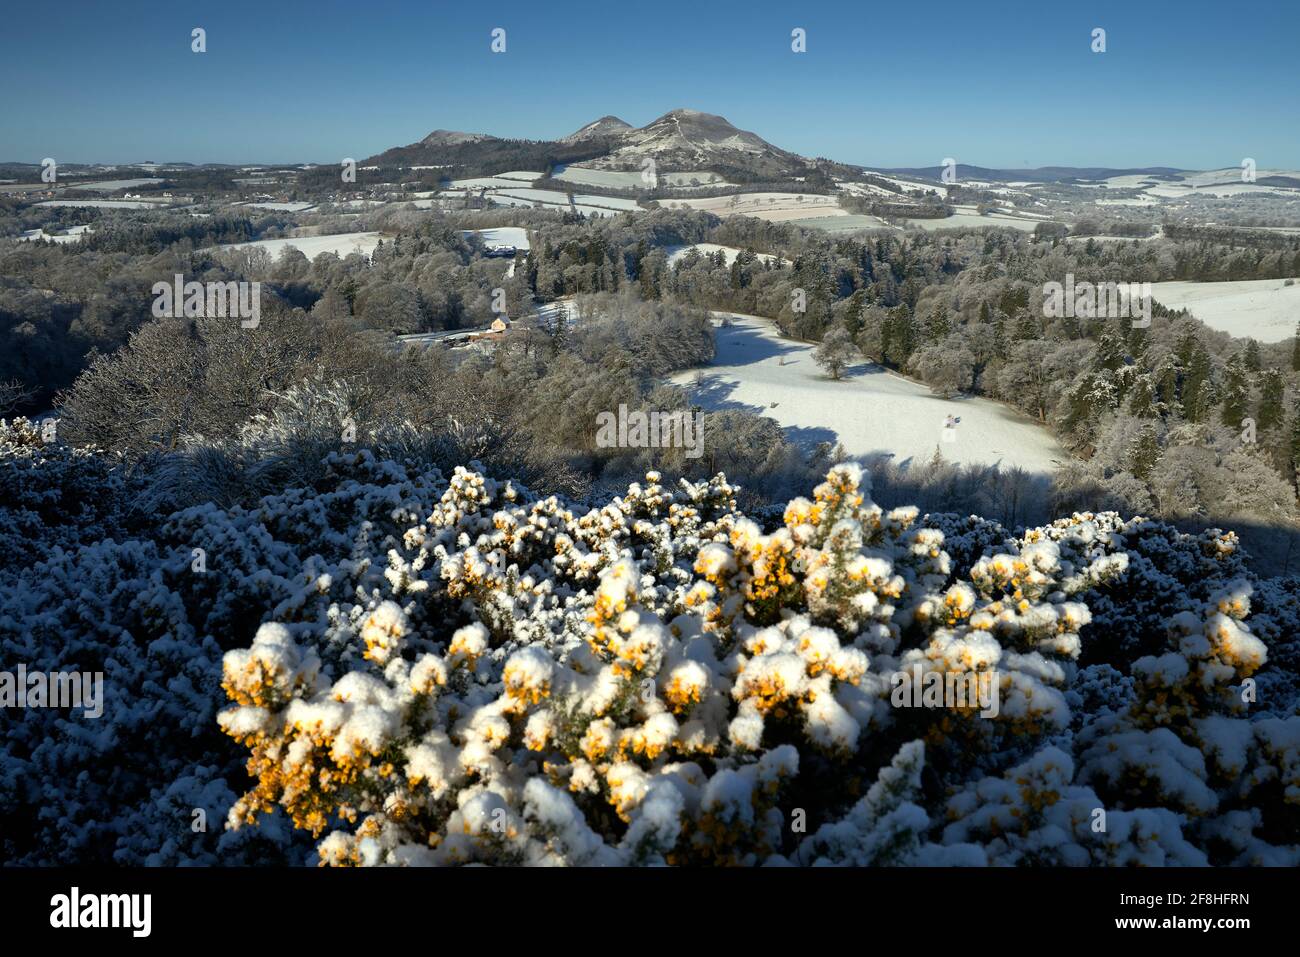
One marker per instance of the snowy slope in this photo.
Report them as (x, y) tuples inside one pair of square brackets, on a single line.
[(343, 244), (870, 411), (1262, 309), (677, 253)]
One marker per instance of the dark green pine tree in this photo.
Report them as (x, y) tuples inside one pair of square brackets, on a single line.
[(999, 330), (1272, 390), (1236, 391), (1027, 326), (1198, 386), (1079, 406), (938, 325), (899, 338), (1253, 361), (1143, 402), (1295, 444), (853, 313), (1165, 377), (1111, 352), (1186, 347), (1144, 453)]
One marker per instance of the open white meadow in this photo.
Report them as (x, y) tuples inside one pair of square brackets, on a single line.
[(616, 179), (677, 253), (118, 184), (341, 244), (100, 203), (773, 207), (73, 235), (974, 220), (504, 199), (282, 207), (847, 223), (555, 198), (515, 236), (487, 182), (870, 410), (913, 186), (1263, 309)]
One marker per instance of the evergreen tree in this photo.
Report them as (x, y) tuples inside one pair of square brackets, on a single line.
[(938, 325), (853, 313), (1027, 326), (1143, 403), (1111, 352), (1253, 361), (898, 340), (1197, 393), (1295, 444), (1165, 377), (1236, 391), (1272, 386), (1186, 348), (1144, 453)]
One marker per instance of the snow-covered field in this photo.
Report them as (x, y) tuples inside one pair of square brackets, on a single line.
[(870, 411), (343, 244), (488, 182), (632, 180), (73, 235), (101, 203), (773, 207), (503, 199), (847, 223), (867, 190), (976, 221), (1262, 309), (515, 236), (914, 187), (1184, 191), (555, 198), (282, 207), (117, 184), (676, 253)]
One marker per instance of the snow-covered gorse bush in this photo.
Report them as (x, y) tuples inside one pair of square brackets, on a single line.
[(54, 495), (660, 680), (400, 667)]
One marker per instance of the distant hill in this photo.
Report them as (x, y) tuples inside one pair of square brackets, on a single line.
[(680, 140), (689, 140), (1041, 174), (606, 126)]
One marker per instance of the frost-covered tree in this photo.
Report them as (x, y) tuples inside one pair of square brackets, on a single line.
[(836, 352)]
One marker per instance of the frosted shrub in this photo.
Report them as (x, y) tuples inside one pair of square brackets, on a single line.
[(54, 495), (429, 669), (662, 680)]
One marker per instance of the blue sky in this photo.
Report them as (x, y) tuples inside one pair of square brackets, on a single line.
[(900, 83)]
